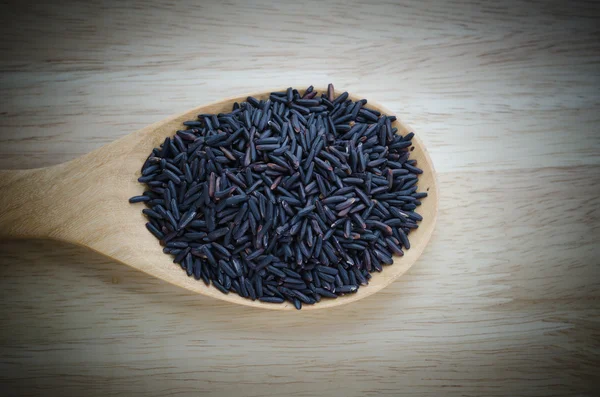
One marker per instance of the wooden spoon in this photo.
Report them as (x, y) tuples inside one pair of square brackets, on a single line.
[(85, 202)]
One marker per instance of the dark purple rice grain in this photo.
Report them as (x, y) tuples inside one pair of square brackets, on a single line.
[(139, 199), (271, 299), (297, 303), (326, 277), (157, 233), (346, 289), (295, 198)]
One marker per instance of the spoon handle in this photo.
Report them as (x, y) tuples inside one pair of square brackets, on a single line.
[(53, 202), (28, 207)]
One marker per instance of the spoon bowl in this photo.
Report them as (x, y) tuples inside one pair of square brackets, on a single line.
[(85, 202)]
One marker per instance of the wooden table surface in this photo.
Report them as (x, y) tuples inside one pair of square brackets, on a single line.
[(505, 299)]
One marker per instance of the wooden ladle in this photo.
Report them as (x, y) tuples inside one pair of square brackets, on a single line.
[(85, 202)]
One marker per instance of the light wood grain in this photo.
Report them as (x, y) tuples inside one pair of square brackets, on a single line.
[(85, 202), (504, 300)]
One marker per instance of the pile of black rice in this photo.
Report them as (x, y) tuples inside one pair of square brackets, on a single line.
[(298, 197)]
